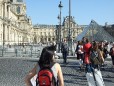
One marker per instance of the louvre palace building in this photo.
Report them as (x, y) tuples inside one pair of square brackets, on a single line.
[(17, 28), (51, 33)]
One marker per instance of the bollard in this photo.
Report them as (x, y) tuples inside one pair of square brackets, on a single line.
[(31, 50), (16, 52)]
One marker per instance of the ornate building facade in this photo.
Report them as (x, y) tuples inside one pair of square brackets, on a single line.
[(74, 29), (44, 33), (109, 29), (15, 26), (50, 33)]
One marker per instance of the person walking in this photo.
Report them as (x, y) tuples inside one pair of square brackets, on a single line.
[(80, 53), (46, 59), (86, 48), (96, 58), (64, 50)]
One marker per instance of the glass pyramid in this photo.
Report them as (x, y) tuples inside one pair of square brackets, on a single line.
[(95, 32)]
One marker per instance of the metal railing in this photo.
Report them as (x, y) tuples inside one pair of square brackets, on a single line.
[(33, 51)]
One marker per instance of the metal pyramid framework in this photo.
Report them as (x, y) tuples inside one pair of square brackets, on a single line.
[(95, 32)]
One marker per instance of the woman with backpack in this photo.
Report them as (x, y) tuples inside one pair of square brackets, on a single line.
[(94, 77), (47, 65), (96, 55), (96, 58), (80, 53)]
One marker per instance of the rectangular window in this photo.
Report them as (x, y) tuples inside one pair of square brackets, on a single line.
[(48, 39), (53, 39), (19, 0)]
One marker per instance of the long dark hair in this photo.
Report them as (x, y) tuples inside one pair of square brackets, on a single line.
[(95, 46), (46, 57)]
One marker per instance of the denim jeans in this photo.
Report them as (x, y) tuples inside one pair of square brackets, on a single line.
[(89, 68)]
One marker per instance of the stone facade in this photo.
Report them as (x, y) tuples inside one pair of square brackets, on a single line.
[(15, 26), (109, 29), (74, 29), (51, 33), (44, 33)]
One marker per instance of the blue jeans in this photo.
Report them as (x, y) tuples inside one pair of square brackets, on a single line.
[(88, 68)]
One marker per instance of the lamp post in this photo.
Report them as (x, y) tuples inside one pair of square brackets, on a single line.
[(59, 17), (69, 30)]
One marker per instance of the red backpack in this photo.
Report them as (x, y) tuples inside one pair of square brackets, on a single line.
[(46, 77)]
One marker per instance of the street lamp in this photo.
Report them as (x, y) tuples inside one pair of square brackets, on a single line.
[(69, 30), (59, 17)]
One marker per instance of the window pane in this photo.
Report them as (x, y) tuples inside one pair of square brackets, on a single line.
[(19, 0), (18, 10)]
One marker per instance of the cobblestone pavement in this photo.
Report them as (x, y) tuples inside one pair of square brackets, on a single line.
[(13, 71)]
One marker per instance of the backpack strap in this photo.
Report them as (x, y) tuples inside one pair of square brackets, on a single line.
[(54, 80)]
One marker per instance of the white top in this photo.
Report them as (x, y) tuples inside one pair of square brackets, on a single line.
[(80, 50)]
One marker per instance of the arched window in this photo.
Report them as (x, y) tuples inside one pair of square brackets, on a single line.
[(18, 10)]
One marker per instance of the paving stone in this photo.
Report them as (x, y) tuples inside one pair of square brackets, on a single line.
[(13, 71)]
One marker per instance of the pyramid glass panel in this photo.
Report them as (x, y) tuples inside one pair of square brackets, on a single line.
[(95, 32)]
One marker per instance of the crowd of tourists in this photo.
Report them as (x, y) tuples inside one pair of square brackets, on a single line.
[(92, 55), (85, 50)]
